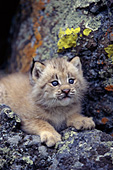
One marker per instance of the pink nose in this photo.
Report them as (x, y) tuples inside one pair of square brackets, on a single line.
[(66, 91)]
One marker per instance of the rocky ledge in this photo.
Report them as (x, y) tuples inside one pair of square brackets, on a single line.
[(78, 150)]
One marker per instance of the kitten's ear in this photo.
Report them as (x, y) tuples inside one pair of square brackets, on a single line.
[(36, 70), (76, 62)]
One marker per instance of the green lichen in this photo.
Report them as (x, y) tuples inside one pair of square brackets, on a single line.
[(65, 145), (11, 114), (66, 16), (28, 160), (109, 143), (4, 150), (68, 38), (93, 23), (84, 3), (69, 134), (109, 50), (2, 162), (9, 156)]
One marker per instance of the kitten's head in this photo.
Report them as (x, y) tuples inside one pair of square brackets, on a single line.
[(58, 82)]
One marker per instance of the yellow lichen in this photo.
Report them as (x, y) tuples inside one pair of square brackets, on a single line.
[(87, 31), (67, 38), (109, 50), (80, 35)]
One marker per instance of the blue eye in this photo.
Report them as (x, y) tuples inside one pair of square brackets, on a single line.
[(71, 81), (55, 83)]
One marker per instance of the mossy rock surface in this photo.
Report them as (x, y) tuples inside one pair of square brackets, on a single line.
[(36, 34), (78, 150)]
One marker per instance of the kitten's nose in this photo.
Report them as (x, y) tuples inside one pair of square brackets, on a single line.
[(66, 91)]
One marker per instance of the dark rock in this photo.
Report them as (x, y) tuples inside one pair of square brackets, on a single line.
[(94, 9), (35, 34), (78, 150), (111, 36)]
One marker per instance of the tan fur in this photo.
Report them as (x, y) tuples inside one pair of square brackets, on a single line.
[(44, 108)]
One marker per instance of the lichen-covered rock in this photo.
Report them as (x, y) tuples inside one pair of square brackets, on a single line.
[(84, 150), (38, 22), (78, 150), (39, 28)]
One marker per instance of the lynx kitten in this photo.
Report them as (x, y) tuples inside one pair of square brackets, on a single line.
[(51, 99)]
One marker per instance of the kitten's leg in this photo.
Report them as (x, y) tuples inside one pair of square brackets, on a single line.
[(80, 122), (40, 127)]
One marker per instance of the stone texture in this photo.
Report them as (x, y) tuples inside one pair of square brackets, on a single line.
[(35, 34), (78, 150)]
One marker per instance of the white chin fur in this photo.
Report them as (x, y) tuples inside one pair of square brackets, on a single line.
[(56, 103), (65, 101)]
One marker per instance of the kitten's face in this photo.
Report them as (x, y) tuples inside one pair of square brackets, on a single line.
[(58, 82)]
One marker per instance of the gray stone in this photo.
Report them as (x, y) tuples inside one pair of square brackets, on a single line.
[(91, 149)]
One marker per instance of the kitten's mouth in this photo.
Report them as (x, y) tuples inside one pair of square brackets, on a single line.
[(64, 100), (64, 97)]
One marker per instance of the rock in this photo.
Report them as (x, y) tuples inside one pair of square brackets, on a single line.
[(39, 27), (78, 150), (111, 36), (82, 150), (29, 141), (34, 35), (14, 140)]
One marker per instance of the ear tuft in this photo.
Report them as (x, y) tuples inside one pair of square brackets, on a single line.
[(76, 62), (36, 70)]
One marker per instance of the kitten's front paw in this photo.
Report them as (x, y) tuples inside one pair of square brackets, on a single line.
[(84, 123), (50, 138)]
